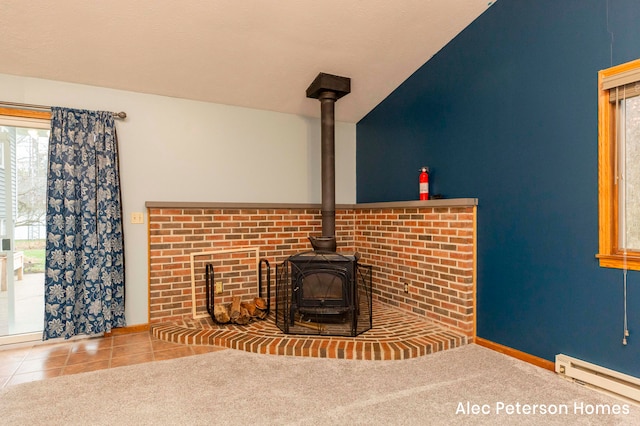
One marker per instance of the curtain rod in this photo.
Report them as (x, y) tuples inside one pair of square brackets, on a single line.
[(121, 114)]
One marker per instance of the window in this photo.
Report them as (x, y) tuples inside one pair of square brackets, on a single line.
[(619, 166)]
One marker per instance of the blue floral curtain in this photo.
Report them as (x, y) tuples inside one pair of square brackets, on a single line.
[(84, 282)]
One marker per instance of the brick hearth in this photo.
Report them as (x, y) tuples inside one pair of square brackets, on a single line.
[(423, 280), (396, 334)]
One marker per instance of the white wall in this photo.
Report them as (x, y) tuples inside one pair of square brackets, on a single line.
[(179, 150)]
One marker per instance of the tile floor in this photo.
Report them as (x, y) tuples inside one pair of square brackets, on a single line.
[(26, 363)]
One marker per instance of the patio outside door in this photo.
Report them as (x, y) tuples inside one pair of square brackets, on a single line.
[(23, 154)]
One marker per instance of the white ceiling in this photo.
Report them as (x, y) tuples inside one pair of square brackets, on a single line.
[(253, 53)]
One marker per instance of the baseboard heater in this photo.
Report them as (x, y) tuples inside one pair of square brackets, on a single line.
[(603, 379)]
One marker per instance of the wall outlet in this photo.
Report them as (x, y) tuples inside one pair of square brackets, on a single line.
[(137, 217), (218, 287), (406, 288)]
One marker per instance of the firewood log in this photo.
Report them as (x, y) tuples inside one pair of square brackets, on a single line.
[(312, 325), (234, 311), (251, 307), (244, 317), (221, 314), (260, 303)]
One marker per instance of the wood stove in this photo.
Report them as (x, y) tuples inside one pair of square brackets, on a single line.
[(322, 291), (323, 285)]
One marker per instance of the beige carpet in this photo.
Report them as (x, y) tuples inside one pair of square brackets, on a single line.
[(232, 387)]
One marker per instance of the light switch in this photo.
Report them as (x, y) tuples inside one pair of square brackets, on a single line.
[(137, 217)]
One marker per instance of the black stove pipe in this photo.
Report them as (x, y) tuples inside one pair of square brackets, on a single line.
[(328, 89), (328, 158)]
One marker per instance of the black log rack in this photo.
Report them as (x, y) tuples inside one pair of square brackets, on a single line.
[(210, 285)]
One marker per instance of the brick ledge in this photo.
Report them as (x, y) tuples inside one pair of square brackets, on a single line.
[(445, 202)]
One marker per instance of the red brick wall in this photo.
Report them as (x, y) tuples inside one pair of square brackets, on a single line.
[(431, 251), (428, 248), (174, 234)]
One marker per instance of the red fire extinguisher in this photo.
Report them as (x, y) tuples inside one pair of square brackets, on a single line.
[(424, 183)]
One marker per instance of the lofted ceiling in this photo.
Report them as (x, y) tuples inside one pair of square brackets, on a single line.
[(252, 53)]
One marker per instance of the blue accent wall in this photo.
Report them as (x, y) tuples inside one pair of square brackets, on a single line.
[(507, 113)]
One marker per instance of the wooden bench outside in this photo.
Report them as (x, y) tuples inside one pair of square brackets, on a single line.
[(18, 268)]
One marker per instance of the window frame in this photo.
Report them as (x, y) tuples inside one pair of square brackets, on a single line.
[(29, 117), (609, 253)]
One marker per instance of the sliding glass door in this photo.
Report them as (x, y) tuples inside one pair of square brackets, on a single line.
[(23, 158)]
